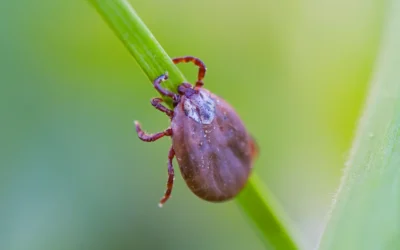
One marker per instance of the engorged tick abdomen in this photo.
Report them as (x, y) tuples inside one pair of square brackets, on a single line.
[(212, 146)]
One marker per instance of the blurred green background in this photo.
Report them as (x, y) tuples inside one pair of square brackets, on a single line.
[(73, 174)]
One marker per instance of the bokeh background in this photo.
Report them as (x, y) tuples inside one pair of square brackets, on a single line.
[(73, 174)]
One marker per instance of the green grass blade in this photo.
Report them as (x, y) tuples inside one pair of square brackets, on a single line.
[(258, 204), (366, 211), (140, 42), (265, 213)]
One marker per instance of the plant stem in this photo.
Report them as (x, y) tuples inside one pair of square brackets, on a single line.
[(265, 213), (140, 42), (258, 204), (366, 211)]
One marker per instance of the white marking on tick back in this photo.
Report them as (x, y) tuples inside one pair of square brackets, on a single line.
[(200, 107)]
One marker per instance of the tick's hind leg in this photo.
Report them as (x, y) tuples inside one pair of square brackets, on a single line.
[(156, 102), (151, 137), (197, 62), (170, 182)]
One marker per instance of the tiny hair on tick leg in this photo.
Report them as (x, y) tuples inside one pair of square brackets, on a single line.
[(213, 148)]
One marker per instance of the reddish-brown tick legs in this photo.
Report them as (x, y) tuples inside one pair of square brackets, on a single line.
[(157, 85), (170, 182), (197, 62), (254, 148), (156, 102), (151, 137)]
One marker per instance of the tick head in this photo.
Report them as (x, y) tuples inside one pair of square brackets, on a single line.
[(186, 90)]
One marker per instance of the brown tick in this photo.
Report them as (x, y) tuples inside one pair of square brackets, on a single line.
[(214, 151)]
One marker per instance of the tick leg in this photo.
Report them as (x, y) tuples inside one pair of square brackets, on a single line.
[(157, 85), (151, 137), (156, 102), (170, 182), (197, 62), (254, 148)]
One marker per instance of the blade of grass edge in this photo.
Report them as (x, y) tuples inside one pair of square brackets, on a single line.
[(365, 213), (257, 203)]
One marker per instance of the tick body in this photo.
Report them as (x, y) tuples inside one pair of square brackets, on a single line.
[(214, 151)]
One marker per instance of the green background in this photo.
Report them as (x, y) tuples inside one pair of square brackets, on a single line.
[(74, 175)]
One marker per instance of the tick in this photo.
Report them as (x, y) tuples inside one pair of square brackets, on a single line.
[(214, 151)]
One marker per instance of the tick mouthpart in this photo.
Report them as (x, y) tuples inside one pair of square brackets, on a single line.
[(186, 90)]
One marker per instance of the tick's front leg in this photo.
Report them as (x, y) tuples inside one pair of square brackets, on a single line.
[(199, 63), (151, 137), (170, 182), (164, 92)]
